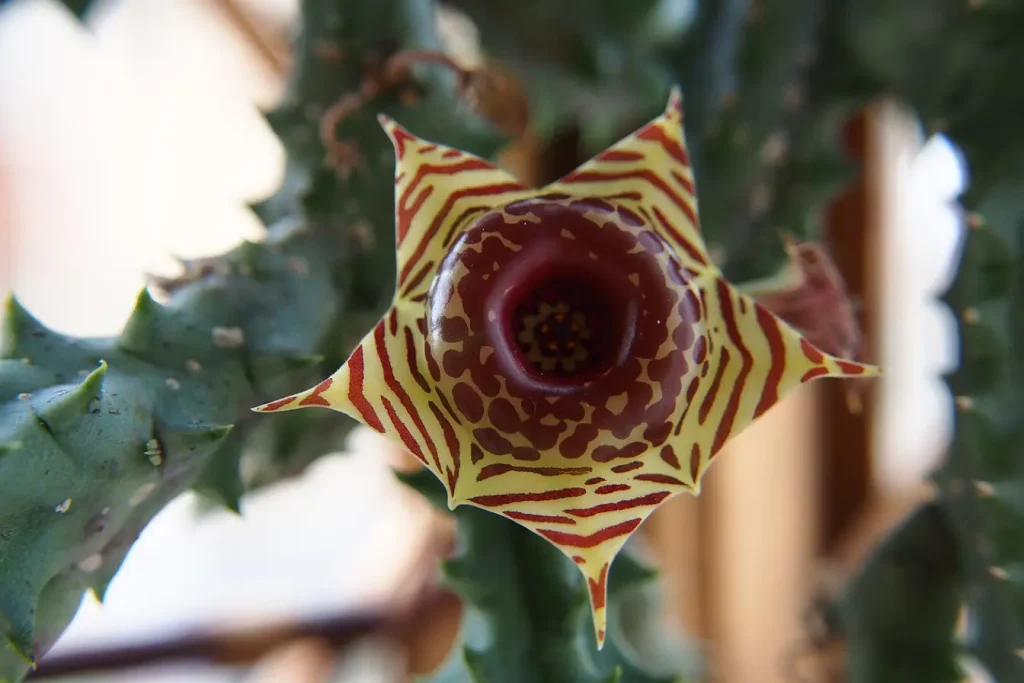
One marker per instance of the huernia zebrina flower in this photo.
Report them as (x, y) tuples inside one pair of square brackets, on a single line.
[(568, 356)]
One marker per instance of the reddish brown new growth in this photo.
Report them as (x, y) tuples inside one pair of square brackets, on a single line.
[(820, 307)]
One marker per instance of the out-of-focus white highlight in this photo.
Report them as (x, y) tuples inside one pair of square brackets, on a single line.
[(335, 539), (125, 147), (919, 243)]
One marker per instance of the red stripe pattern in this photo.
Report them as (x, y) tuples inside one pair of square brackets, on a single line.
[(584, 479)]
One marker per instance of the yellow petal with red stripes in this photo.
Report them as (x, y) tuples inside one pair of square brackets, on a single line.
[(439, 190), (567, 357)]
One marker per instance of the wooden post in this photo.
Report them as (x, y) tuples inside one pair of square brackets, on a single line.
[(846, 471), (677, 543), (763, 503)]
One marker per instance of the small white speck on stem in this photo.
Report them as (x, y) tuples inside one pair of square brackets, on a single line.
[(999, 573), (984, 489), (141, 494), (91, 563), (228, 337), (155, 452)]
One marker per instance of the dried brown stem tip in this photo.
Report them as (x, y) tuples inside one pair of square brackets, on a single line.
[(494, 93), (820, 306)]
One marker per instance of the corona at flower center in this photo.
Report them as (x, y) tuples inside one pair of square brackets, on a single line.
[(563, 328), (559, 323)]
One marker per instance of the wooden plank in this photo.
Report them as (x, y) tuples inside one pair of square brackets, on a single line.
[(763, 508), (846, 471), (675, 543)]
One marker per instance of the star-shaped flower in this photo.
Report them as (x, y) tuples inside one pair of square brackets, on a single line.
[(568, 356)]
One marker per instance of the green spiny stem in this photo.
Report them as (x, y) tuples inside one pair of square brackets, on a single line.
[(107, 431), (771, 92), (896, 613), (980, 482)]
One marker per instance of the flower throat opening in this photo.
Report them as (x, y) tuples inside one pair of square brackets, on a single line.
[(566, 327)]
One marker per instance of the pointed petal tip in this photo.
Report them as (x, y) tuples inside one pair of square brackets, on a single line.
[(397, 134), (320, 396), (844, 368), (856, 369), (597, 588), (393, 128), (675, 100), (280, 405)]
